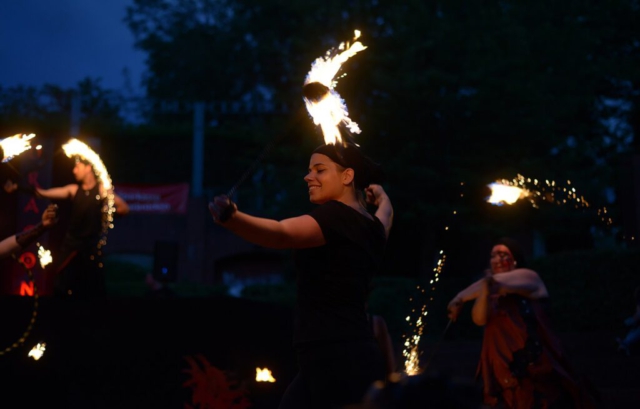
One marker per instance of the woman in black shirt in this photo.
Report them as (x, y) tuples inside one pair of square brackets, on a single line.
[(338, 248)]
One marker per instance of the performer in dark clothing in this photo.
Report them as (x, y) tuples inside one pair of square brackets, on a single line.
[(78, 316), (338, 248), (522, 362), (78, 268)]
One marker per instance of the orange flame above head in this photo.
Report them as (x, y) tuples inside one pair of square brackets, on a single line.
[(264, 375), (15, 145), (77, 148), (503, 193), (324, 104)]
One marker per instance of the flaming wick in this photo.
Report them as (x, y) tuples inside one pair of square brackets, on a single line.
[(503, 193), (37, 351), (44, 255), (14, 145), (264, 375), (324, 104)]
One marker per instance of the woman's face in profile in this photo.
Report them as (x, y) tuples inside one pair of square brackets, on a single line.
[(501, 259)]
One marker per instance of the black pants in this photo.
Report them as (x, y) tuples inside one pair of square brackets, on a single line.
[(78, 273), (333, 375)]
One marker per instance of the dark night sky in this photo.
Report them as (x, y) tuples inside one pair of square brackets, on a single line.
[(62, 42)]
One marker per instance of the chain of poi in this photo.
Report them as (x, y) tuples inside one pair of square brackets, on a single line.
[(34, 313)]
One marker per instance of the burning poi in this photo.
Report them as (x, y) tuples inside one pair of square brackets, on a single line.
[(14, 145), (510, 191), (324, 104)]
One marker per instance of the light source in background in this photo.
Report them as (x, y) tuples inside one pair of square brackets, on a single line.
[(37, 351), (505, 194), (264, 375)]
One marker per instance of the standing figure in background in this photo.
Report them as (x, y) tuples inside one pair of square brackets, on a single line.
[(339, 246), (522, 363), (21, 240), (78, 269), (633, 323)]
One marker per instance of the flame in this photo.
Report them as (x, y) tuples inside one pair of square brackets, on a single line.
[(264, 375), (76, 148), (15, 145), (324, 104), (44, 256), (37, 351), (502, 193)]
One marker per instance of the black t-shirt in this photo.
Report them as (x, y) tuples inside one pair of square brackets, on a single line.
[(333, 279), (85, 221)]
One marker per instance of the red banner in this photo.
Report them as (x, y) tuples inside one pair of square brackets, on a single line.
[(155, 199)]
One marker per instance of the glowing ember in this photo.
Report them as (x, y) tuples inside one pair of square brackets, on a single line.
[(264, 375), (325, 105), (15, 145), (44, 256), (37, 351), (411, 350), (502, 193), (412, 363)]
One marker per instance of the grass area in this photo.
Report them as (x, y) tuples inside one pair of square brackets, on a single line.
[(126, 277), (590, 290)]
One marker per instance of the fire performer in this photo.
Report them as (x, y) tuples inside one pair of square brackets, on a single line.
[(78, 269), (21, 240), (338, 247), (522, 362)]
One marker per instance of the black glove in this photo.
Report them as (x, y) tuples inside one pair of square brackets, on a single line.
[(222, 208), (29, 236)]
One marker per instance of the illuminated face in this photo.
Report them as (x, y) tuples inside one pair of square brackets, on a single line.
[(82, 171), (501, 259), (324, 179)]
